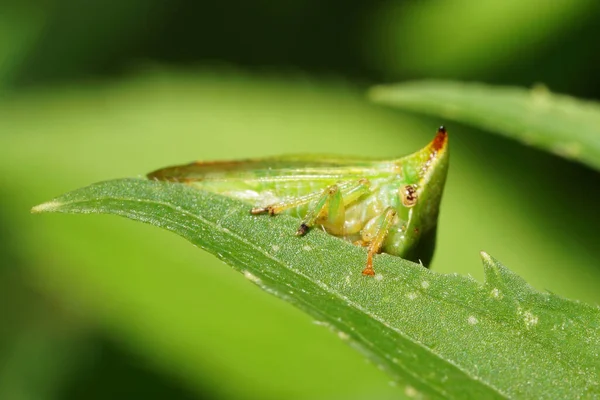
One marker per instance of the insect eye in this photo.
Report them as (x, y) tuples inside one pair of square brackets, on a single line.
[(408, 195)]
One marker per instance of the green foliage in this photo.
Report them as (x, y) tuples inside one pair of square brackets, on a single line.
[(437, 38), (102, 307), (561, 124), (414, 323), (173, 307), (178, 309)]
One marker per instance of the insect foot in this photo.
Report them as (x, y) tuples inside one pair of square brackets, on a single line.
[(302, 230), (261, 210)]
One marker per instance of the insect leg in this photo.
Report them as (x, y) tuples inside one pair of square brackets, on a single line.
[(376, 234), (330, 208), (351, 191), (280, 207)]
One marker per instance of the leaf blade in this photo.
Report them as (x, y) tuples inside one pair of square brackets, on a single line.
[(414, 323), (560, 124)]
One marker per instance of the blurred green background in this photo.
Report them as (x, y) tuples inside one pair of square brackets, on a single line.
[(99, 307)]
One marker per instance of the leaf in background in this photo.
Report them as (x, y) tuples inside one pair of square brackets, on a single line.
[(560, 124), (79, 39), (445, 336), (20, 26), (462, 38)]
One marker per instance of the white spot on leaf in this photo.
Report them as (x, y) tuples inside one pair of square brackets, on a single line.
[(424, 284), (411, 295), (496, 293), (378, 277), (472, 320), (343, 335), (275, 247), (530, 319), (307, 248), (252, 277)]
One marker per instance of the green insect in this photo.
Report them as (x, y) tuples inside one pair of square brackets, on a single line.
[(387, 206)]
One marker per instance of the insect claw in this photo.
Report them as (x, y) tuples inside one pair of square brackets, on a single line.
[(272, 210), (302, 230), (369, 271)]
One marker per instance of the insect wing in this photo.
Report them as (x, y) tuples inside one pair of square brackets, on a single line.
[(275, 168)]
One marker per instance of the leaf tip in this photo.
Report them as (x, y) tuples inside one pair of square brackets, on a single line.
[(486, 257), (50, 206), (492, 267), (493, 270)]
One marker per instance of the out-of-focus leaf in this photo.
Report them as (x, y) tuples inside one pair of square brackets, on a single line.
[(20, 26), (444, 336), (41, 346), (82, 39), (560, 124), (462, 38)]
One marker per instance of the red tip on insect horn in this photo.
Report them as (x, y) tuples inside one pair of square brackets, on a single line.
[(440, 140)]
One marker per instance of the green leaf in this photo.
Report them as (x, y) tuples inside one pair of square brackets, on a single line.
[(444, 336), (436, 38), (560, 124)]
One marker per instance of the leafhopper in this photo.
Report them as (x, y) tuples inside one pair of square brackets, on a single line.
[(388, 206)]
